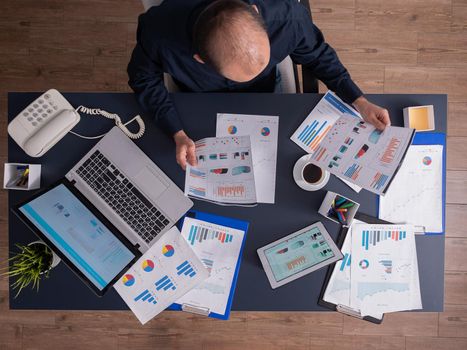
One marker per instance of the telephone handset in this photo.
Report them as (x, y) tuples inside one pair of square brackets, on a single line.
[(43, 123), (49, 118)]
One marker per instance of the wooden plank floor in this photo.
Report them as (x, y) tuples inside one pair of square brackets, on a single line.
[(398, 46)]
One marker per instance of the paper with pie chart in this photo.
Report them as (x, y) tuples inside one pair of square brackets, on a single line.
[(416, 193), (224, 173), (263, 131), (384, 269), (167, 271), (218, 247)]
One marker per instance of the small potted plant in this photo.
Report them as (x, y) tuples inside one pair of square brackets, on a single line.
[(33, 262)]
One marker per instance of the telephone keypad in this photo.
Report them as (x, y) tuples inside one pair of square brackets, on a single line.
[(40, 110)]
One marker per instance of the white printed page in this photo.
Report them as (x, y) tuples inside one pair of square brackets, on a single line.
[(361, 154), (320, 121), (218, 247), (338, 290), (224, 173), (263, 131), (384, 269), (416, 193), (167, 271)]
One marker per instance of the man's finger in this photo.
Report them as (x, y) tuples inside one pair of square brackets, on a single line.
[(191, 156), (386, 120), (181, 157), (378, 123)]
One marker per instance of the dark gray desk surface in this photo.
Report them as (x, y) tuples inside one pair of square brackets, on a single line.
[(294, 208)]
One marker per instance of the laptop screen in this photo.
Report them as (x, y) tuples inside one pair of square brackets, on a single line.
[(97, 252)]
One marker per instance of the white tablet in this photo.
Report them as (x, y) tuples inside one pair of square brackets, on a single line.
[(298, 254)]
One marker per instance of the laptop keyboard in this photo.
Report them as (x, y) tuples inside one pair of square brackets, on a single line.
[(124, 198)]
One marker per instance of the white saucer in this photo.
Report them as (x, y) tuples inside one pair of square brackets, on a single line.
[(297, 175)]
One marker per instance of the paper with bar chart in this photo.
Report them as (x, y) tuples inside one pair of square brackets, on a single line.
[(224, 173), (338, 289), (384, 269), (361, 154), (416, 193), (263, 131), (320, 121), (218, 247), (163, 274)]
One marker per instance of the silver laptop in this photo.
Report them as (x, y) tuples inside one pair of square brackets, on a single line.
[(129, 189)]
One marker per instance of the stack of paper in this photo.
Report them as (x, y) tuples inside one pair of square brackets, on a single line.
[(348, 147), (263, 131), (224, 173), (218, 247), (379, 272)]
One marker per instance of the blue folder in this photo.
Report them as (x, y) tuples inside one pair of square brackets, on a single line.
[(228, 222), (434, 138)]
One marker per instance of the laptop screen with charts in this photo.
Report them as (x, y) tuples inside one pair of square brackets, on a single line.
[(90, 245)]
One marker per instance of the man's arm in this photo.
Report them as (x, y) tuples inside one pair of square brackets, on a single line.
[(147, 81), (313, 52)]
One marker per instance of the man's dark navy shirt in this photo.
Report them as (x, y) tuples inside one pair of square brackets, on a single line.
[(164, 44)]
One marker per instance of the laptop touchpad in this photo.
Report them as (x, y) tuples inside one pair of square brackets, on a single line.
[(151, 184)]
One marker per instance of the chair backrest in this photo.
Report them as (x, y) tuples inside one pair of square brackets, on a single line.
[(150, 3)]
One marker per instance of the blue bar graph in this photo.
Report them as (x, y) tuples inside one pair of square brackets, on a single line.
[(372, 238), (186, 269), (165, 283), (345, 261), (311, 131), (146, 296), (199, 234)]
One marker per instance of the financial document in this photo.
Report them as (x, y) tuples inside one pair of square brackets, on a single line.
[(384, 272), (338, 290), (415, 195), (361, 154), (218, 247), (320, 121), (167, 271), (263, 132), (224, 173)]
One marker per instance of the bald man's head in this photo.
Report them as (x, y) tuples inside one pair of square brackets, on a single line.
[(230, 36)]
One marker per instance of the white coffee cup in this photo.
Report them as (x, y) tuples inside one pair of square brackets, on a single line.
[(309, 176)]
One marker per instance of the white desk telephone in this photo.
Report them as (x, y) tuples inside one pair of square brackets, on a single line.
[(49, 118)]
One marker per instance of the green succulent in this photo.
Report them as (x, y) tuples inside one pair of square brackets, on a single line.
[(29, 265)]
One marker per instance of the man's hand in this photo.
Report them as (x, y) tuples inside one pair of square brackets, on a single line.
[(185, 150), (372, 113)]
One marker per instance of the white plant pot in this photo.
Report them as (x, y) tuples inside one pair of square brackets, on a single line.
[(55, 258)]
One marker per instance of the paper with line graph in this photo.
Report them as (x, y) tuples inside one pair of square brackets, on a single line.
[(218, 247), (416, 193), (224, 173), (384, 269), (167, 271), (361, 154)]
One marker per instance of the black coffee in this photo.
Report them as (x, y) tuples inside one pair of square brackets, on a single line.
[(312, 173)]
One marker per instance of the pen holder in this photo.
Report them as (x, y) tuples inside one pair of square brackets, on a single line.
[(338, 208), (18, 176)]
